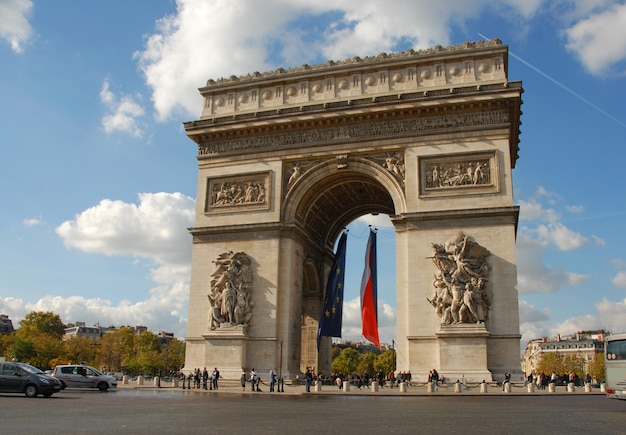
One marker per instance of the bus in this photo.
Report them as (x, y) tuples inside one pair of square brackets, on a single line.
[(615, 366)]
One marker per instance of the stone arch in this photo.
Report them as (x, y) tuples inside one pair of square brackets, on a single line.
[(434, 151), (325, 199)]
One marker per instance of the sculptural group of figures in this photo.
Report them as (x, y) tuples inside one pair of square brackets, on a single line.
[(460, 295), (460, 174), (229, 297), (239, 192)]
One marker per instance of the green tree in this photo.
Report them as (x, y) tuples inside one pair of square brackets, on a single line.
[(81, 349), (386, 361), (551, 362), (38, 339), (117, 350), (366, 363), (173, 355), (346, 362), (47, 323), (596, 367), (575, 364)]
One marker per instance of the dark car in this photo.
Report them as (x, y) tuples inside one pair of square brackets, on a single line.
[(17, 377)]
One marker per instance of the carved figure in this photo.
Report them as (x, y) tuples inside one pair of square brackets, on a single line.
[(229, 295), (460, 295)]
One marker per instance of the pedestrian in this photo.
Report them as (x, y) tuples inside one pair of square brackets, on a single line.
[(308, 380), (435, 380), (507, 380), (205, 378), (215, 377), (272, 380), (243, 380), (253, 379)]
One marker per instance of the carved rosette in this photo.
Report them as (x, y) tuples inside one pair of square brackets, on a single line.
[(459, 282), (231, 287)]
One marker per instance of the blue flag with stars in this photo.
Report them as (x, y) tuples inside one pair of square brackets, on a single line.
[(330, 321)]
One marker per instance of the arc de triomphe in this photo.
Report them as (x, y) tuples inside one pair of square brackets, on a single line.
[(286, 159)]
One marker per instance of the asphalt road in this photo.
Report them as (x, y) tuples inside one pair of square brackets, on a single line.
[(165, 411)]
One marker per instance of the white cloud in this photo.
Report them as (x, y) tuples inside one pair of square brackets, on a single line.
[(204, 40), (351, 323), (611, 315), (529, 313), (164, 309), (533, 275), (14, 25), (620, 279), (154, 229), (32, 222), (123, 113), (532, 210), (561, 236), (599, 39)]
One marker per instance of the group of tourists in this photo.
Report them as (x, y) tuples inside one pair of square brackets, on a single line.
[(277, 383), (201, 379)]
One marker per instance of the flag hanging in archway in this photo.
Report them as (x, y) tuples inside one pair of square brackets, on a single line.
[(330, 321), (369, 293)]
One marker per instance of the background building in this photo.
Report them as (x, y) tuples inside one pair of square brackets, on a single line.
[(6, 326), (585, 344)]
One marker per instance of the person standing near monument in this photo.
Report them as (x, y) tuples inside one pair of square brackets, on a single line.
[(214, 377), (243, 380), (308, 380)]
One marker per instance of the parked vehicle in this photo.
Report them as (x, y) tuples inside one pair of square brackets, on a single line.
[(117, 375), (82, 376), (17, 377)]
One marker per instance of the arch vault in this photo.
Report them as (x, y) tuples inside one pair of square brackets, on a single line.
[(287, 159)]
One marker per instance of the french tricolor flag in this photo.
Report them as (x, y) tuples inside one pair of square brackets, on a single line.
[(369, 297)]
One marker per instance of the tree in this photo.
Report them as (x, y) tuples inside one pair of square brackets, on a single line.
[(596, 367), (173, 356), (346, 362), (81, 349), (386, 361), (47, 323), (117, 350), (366, 363), (551, 362)]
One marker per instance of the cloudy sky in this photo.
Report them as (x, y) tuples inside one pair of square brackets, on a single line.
[(98, 178)]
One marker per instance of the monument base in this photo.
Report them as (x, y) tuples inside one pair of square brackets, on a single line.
[(463, 353)]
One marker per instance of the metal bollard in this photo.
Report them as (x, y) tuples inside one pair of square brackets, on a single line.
[(318, 386), (507, 387), (531, 387), (403, 387), (346, 386), (374, 387), (429, 387), (587, 387), (571, 388), (484, 387), (139, 380), (551, 387)]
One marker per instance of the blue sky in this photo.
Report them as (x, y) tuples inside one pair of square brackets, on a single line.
[(98, 178)]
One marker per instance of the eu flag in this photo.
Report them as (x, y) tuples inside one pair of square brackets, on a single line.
[(330, 321)]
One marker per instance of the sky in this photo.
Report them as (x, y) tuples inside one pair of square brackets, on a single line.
[(98, 179)]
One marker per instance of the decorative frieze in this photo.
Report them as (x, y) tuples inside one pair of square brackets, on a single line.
[(241, 191), (353, 133), (459, 174)]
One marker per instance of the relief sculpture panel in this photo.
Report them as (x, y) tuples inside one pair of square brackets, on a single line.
[(459, 282), (247, 190), (230, 292)]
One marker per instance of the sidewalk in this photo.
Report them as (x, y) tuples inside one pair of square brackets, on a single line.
[(227, 386)]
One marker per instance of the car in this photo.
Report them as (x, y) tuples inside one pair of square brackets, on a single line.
[(82, 376), (117, 375), (18, 377)]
